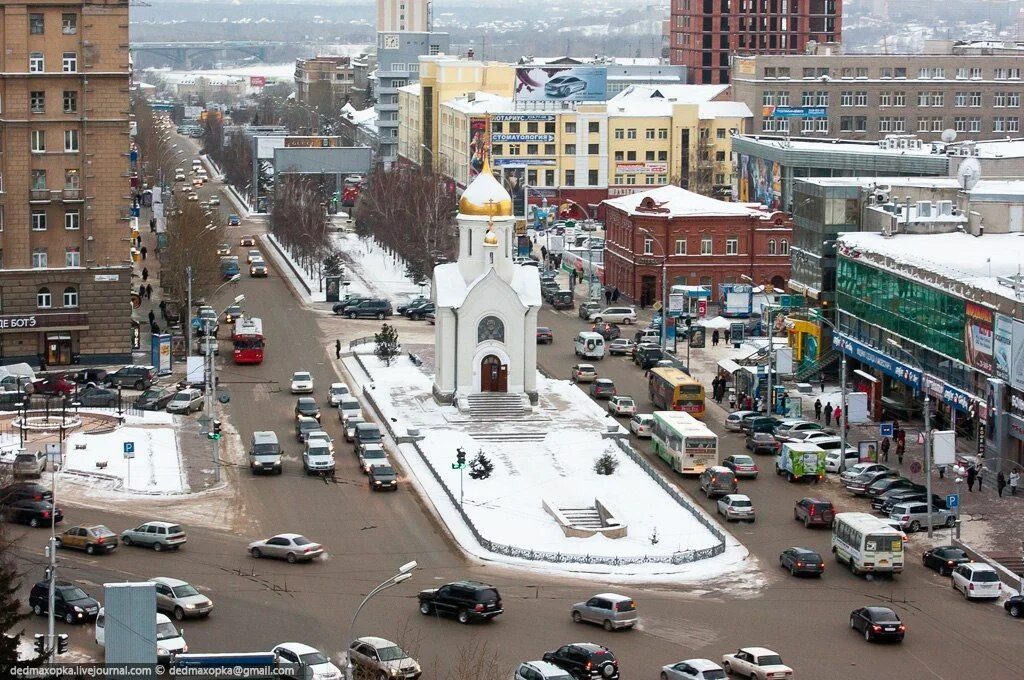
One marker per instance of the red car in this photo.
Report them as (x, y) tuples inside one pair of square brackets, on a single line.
[(814, 512), (55, 385), (544, 335)]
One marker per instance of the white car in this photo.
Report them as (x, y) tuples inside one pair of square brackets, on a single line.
[(302, 382), (977, 580), (291, 547), (317, 458), (322, 437), (349, 407), (811, 436), (693, 669), (622, 315), (642, 425), (736, 506), (833, 460), (621, 406), (314, 664), (186, 401), (733, 420), (169, 640), (336, 392), (540, 670), (757, 663), (180, 598)]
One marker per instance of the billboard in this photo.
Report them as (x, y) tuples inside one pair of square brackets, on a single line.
[(257, 81), (760, 182), (540, 82), (642, 168), (794, 112), (514, 180), (1002, 345), (312, 142), (522, 137), (477, 145), (978, 337), (1017, 357), (523, 118)]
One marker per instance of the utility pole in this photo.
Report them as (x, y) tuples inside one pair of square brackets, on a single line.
[(771, 356), (51, 548), (927, 453)]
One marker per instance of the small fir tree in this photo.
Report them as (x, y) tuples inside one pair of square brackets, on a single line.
[(481, 466), (387, 344)]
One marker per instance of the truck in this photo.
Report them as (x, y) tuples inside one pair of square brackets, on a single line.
[(798, 460)]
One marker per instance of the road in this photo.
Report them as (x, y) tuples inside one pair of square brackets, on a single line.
[(261, 603)]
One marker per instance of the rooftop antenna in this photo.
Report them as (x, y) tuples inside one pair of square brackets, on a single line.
[(968, 173)]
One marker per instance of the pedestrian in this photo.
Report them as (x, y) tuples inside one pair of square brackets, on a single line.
[(152, 316), (1000, 483), (572, 279), (817, 409), (607, 296), (732, 401), (163, 309), (152, 225), (828, 414), (727, 336), (142, 291), (144, 251), (714, 338), (149, 292), (145, 274), (942, 472), (972, 474), (885, 448), (901, 448), (154, 328), (981, 475), (1014, 480), (838, 414), (42, 362), (896, 426), (544, 253), (337, 349), (822, 382)]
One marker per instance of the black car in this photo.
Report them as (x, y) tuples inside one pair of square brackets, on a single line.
[(585, 660), (97, 396), (544, 335), (408, 304), (33, 513), (608, 331), (467, 601), (369, 309), (92, 375), (859, 484), (880, 486), (562, 299), (877, 623), (648, 357), (944, 559), (1014, 606), (307, 406), (898, 494), (70, 602), (155, 399), (420, 311), (339, 307), (802, 561), (382, 478), (19, 491), (762, 442), (137, 377)]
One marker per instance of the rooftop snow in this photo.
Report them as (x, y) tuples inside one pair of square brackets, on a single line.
[(682, 203), (832, 146), (1000, 148)]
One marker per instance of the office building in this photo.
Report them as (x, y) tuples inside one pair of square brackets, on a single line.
[(324, 82), (403, 15), (65, 193), (707, 34)]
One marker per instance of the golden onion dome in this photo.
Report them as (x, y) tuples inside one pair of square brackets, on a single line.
[(485, 197), (490, 238)]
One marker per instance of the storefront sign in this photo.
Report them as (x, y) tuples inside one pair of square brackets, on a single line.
[(106, 278), (978, 337), (1017, 403), (522, 137), (957, 398), (1015, 425), (1002, 345), (29, 322), (523, 117), (649, 261), (645, 168), (883, 362), (522, 162)]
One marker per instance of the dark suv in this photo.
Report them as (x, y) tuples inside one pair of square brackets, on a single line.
[(814, 512), (369, 309), (70, 602), (467, 601), (585, 660), (138, 377)]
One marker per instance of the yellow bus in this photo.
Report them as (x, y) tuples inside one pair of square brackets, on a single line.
[(673, 390)]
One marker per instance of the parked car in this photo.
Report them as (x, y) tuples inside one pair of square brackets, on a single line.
[(336, 392), (370, 455), (290, 547), (585, 660), (97, 376), (540, 670), (33, 513), (859, 485), (812, 436), (756, 663), (608, 331), (802, 561), (885, 501), (340, 307), (620, 405), (733, 420), (70, 603), (186, 401), (412, 301), (180, 598), (1014, 606), (586, 309), (977, 580), (304, 425), (834, 459), (693, 669), (624, 315), (544, 335), (584, 373), (562, 299), (861, 468), (620, 346), (913, 515), (741, 465), (155, 399), (307, 406), (420, 312), (763, 442), (736, 506), (602, 388), (96, 397), (156, 535), (652, 335), (380, 658), (648, 356), (92, 539), (944, 558), (467, 601), (610, 610), (137, 377), (790, 427), (642, 425), (302, 382), (54, 385), (309, 662), (814, 512), (29, 464), (369, 309), (877, 623), (382, 477)]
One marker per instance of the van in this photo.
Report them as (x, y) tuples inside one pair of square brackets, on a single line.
[(265, 453), (718, 480), (589, 345), (169, 640)]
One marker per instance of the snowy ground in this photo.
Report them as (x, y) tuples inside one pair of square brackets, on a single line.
[(280, 254), (373, 271), (155, 469)]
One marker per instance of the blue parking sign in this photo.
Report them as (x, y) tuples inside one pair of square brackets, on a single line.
[(885, 430), (953, 501)]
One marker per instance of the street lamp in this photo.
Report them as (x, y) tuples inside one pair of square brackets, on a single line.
[(927, 429), (404, 574), (212, 376), (664, 290)]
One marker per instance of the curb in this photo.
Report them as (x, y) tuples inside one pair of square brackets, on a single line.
[(291, 265)]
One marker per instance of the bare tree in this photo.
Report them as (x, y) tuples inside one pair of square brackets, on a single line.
[(299, 221), (192, 240), (477, 661)]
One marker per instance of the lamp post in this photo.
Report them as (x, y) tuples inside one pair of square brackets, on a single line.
[(927, 429), (404, 574), (21, 429), (664, 292)]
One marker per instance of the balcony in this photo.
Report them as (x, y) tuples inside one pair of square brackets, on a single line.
[(73, 196), (39, 196)]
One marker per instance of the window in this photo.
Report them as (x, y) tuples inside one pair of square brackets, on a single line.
[(594, 126), (531, 149), (35, 24), (899, 124), (630, 179), (620, 133), (69, 64), (1013, 100), (680, 246), (72, 220), (531, 127), (570, 149), (631, 155), (768, 98), (862, 72), (649, 133), (974, 124), (975, 99), (938, 124), (885, 73), (900, 72), (960, 123), (922, 98), (784, 247), (72, 258), (720, 133), (976, 73), (807, 125), (593, 149), (35, 62), (719, 156), (68, 24), (1000, 74), (922, 123), (847, 73), (705, 246), (649, 156), (960, 99), (732, 246), (497, 150), (513, 127), (663, 155), (71, 140), (860, 98), (807, 98), (648, 179), (962, 72), (631, 133), (38, 220), (662, 133), (531, 178), (37, 101), (570, 178), (549, 127), (619, 155), (884, 98), (71, 294), (771, 246), (783, 98), (619, 179), (846, 98), (570, 128), (1014, 73), (938, 98), (549, 150), (513, 149), (43, 298), (38, 180), (592, 177), (549, 178), (39, 258), (885, 124), (648, 246), (899, 98)]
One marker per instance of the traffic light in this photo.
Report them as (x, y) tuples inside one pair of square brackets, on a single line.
[(40, 644), (215, 432), (460, 457), (63, 643)]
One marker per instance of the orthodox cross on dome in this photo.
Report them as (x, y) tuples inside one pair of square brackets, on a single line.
[(490, 238)]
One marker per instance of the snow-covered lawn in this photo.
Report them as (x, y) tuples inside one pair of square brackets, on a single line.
[(373, 271), (156, 468), (280, 254)]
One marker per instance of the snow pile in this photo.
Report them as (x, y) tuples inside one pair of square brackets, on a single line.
[(155, 469)]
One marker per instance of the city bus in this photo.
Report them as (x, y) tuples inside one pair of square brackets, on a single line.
[(674, 390), (866, 544), (248, 342), (685, 443)]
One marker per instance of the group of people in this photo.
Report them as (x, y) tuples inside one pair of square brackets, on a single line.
[(611, 295), (718, 385), (829, 413), (715, 337)]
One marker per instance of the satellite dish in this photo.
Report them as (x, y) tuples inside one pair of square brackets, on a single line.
[(949, 135), (969, 173)]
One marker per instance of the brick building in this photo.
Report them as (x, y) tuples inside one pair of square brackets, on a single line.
[(708, 242), (325, 82), (65, 269)]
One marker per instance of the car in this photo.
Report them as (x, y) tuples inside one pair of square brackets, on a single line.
[(976, 580), (304, 426), (620, 405), (741, 465), (584, 373), (155, 399), (801, 561), (157, 535), (411, 301), (539, 670), (367, 434), (762, 442), (340, 307), (134, 376), (608, 610), (380, 658), (209, 322), (30, 491), (179, 175), (70, 603), (885, 501), (693, 669), (370, 455), (193, 197), (561, 87), (186, 189), (642, 425), (944, 558), (586, 309), (620, 347), (814, 512), (733, 420), (291, 547), (859, 485), (310, 662), (322, 437), (648, 356), (197, 181), (247, 241), (430, 317), (29, 464), (232, 313), (888, 483), (252, 255), (652, 335), (812, 436), (1014, 606), (207, 345), (258, 269), (382, 477), (860, 468), (336, 392), (878, 623), (97, 376), (757, 663), (602, 388), (913, 515), (317, 458), (223, 249), (302, 382), (307, 406), (466, 600), (55, 385), (180, 598), (562, 299), (215, 200), (736, 506), (234, 220), (621, 315), (376, 308), (419, 313), (33, 513), (92, 539), (717, 480), (834, 460), (790, 427), (608, 331), (585, 660), (349, 407), (186, 401), (414, 306), (544, 335)]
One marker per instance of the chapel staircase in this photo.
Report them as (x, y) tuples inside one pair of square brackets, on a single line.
[(498, 406)]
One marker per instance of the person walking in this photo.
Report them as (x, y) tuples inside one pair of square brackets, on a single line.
[(822, 383), (942, 472), (615, 294), (144, 250), (544, 254), (828, 414), (886, 443), (163, 309), (981, 475), (1000, 483), (145, 274), (607, 296), (972, 474), (142, 291), (149, 292), (337, 349), (714, 338), (152, 316), (901, 448), (838, 415), (1014, 480), (817, 409)]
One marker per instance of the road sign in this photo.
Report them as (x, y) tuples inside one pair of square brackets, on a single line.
[(196, 323), (129, 449), (885, 430), (657, 306), (790, 301), (953, 501)]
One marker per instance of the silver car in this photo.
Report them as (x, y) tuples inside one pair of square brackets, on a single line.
[(607, 609), (180, 598), (186, 401), (156, 535), (291, 547), (913, 515), (370, 455), (382, 658)]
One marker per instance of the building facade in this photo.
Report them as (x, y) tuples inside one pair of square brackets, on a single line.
[(403, 15), (65, 196), (867, 96), (324, 82), (706, 34), (696, 240)]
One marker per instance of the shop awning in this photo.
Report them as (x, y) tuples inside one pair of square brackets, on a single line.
[(866, 376), (729, 366)]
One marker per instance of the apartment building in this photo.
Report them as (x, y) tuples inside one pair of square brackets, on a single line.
[(403, 15), (963, 87), (325, 82), (65, 269)]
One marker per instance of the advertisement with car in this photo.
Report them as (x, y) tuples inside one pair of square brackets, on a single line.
[(540, 82)]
